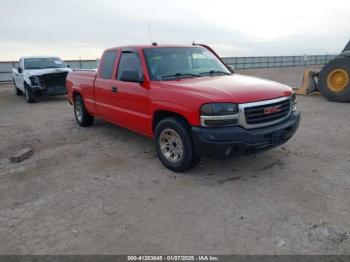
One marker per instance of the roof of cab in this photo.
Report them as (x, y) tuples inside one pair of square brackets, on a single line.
[(150, 46), (37, 56)]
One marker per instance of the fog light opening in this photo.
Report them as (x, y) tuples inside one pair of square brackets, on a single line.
[(228, 151)]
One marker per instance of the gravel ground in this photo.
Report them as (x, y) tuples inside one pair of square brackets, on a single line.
[(102, 189), (291, 76)]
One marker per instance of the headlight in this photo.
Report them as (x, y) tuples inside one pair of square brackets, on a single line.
[(219, 114), (219, 109), (34, 81), (294, 101)]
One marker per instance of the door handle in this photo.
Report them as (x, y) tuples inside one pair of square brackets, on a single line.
[(114, 89)]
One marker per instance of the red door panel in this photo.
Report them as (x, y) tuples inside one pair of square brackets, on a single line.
[(103, 99), (130, 104), (103, 85)]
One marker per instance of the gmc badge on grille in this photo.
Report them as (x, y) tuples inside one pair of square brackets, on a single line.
[(272, 109)]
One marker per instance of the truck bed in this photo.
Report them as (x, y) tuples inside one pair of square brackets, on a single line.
[(85, 72), (84, 81)]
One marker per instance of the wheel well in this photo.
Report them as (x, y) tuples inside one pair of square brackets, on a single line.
[(75, 94), (161, 114)]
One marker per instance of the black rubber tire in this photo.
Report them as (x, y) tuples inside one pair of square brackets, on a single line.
[(343, 96), (28, 94), (190, 158), (17, 91), (86, 118)]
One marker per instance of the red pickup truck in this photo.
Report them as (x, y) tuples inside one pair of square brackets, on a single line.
[(187, 99)]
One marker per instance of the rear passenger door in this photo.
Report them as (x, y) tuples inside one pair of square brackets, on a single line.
[(103, 93)]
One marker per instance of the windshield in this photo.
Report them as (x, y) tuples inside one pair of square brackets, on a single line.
[(181, 62), (43, 63)]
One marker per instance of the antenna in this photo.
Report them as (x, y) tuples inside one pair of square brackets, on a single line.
[(149, 32)]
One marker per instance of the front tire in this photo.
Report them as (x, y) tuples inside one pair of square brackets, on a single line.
[(174, 145), (82, 116), (28, 94), (17, 91)]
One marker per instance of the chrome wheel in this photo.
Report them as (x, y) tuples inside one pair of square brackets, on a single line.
[(78, 111), (171, 145)]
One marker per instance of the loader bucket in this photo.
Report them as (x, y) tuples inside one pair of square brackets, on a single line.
[(309, 83)]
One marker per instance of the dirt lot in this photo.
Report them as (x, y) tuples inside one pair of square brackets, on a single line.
[(103, 190), (291, 76)]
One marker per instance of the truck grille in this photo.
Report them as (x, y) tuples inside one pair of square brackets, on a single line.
[(53, 80), (266, 113)]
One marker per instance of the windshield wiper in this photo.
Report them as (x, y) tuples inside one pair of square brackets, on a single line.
[(179, 75), (213, 72)]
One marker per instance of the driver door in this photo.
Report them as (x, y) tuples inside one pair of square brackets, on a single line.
[(130, 98)]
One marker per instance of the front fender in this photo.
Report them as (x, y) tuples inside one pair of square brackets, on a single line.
[(26, 78), (190, 114)]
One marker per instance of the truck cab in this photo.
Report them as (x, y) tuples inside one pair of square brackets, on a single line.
[(187, 100)]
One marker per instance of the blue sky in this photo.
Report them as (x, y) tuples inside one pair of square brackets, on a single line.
[(73, 28)]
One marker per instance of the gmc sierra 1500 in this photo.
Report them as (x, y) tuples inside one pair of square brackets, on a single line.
[(187, 99)]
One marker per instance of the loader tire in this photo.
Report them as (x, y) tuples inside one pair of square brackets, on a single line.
[(334, 80)]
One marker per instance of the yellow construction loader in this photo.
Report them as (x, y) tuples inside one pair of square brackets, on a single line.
[(333, 81)]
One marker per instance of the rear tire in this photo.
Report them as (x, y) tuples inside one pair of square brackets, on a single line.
[(17, 91), (174, 145), (28, 94), (334, 80), (82, 116)]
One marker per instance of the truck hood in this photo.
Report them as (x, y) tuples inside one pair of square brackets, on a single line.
[(232, 88), (39, 72)]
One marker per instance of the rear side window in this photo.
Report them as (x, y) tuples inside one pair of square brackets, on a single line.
[(129, 61), (107, 64)]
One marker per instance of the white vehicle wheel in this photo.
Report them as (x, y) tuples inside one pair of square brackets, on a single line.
[(28, 93)]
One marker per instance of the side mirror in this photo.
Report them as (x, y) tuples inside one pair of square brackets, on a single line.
[(20, 70), (131, 76), (231, 68), (68, 66)]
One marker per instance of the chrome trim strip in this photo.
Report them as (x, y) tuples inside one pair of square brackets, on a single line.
[(242, 118), (223, 117)]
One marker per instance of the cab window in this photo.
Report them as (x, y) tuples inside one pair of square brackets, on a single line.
[(107, 64), (129, 61)]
